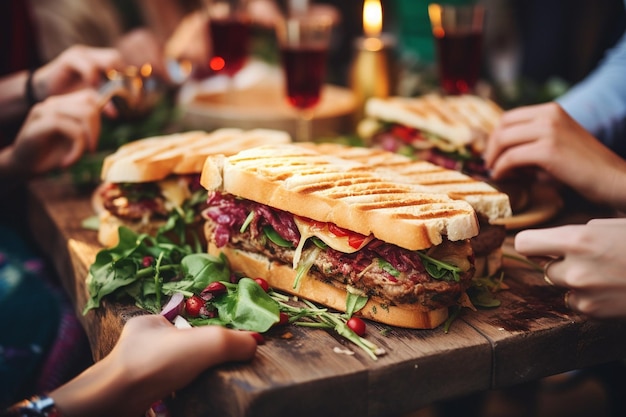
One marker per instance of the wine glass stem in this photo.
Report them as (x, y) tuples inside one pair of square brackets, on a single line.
[(304, 128)]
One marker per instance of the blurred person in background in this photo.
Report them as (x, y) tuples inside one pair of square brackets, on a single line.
[(50, 116)]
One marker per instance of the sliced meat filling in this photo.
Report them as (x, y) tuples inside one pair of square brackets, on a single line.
[(396, 275)]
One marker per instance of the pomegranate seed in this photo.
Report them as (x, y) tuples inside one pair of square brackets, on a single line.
[(215, 288), (147, 261), (193, 305), (356, 325), (263, 283)]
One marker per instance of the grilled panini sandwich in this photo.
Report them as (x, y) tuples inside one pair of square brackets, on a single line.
[(450, 131), (327, 229)]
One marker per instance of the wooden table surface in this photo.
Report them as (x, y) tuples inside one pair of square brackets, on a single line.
[(531, 335)]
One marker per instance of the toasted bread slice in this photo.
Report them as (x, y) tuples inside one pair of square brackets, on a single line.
[(155, 158), (425, 177), (331, 189), (461, 120)]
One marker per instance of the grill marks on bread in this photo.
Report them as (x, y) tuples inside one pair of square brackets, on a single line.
[(331, 189), (155, 158), (423, 176), (461, 120)]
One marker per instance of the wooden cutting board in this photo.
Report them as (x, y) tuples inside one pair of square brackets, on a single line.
[(264, 105)]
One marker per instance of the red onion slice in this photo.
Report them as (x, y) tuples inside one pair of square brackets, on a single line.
[(174, 306)]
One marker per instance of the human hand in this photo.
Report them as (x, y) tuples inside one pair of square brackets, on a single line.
[(54, 135), (591, 263), (189, 41), (140, 46), (151, 359), (545, 136), (77, 67)]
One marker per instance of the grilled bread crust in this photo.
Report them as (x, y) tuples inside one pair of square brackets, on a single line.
[(155, 158), (424, 176), (330, 189), (333, 295), (461, 119)]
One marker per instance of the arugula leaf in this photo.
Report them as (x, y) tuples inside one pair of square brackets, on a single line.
[(121, 270), (276, 238), (388, 268), (246, 306), (179, 219), (354, 302), (440, 270)]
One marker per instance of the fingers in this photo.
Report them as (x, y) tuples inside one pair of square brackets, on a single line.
[(82, 124), (500, 138), (608, 222), (77, 67), (542, 242), (90, 63), (224, 345), (525, 136), (205, 346), (57, 132)]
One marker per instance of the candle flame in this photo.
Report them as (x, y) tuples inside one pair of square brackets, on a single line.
[(434, 14), (372, 18)]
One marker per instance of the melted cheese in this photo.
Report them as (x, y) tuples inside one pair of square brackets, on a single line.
[(175, 192), (320, 230)]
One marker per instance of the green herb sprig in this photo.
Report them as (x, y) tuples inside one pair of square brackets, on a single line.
[(321, 318)]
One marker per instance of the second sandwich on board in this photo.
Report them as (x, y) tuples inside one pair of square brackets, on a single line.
[(152, 184), (327, 230)]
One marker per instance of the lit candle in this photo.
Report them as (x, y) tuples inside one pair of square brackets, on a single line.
[(372, 24), (371, 74)]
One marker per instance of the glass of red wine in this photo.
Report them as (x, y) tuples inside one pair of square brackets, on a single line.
[(458, 33), (304, 41), (229, 33)]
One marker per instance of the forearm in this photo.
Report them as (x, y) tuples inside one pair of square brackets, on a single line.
[(13, 96), (615, 189), (105, 389)]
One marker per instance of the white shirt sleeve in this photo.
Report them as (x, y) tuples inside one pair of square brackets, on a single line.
[(598, 102)]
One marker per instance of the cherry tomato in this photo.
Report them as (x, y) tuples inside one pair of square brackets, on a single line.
[(193, 305), (283, 318), (356, 325), (215, 288), (263, 283)]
